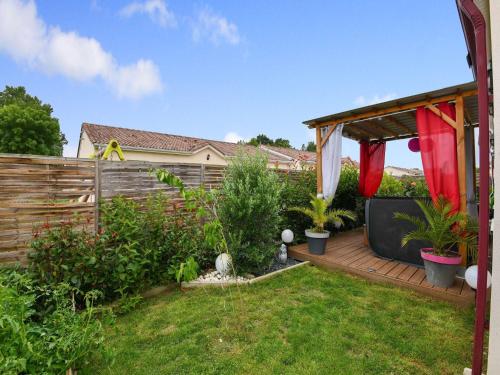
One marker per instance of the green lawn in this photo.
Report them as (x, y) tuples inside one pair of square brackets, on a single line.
[(305, 321)]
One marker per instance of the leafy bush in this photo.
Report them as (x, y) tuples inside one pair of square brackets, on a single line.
[(347, 197), (51, 343), (405, 186), (296, 193), (249, 212), (185, 271), (390, 187), (415, 187), (297, 188), (134, 248)]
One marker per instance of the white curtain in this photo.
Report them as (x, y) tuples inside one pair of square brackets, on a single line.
[(332, 154)]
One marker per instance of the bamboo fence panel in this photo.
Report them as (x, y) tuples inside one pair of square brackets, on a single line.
[(37, 190), (40, 190)]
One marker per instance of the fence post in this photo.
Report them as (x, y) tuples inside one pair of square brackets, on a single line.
[(97, 193), (202, 175)]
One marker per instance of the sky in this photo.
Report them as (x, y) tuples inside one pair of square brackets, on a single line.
[(228, 70)]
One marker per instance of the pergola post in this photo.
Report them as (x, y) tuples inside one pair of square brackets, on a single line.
[(462, 183), (319, 162)]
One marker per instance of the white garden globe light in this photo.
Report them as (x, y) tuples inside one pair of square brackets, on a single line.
[(223, 264), (287, 236), (471, 277)]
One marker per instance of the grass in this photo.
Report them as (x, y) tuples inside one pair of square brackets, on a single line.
[(305, 321)]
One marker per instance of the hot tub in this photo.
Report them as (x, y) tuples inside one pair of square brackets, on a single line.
[(385, 232)]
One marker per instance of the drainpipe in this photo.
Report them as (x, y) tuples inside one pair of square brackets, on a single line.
[(472, 12)]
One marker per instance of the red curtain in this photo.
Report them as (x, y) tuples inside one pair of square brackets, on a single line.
[(438, 149), (372, 159)]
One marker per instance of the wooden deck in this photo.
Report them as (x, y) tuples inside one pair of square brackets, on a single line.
[(347, 252)]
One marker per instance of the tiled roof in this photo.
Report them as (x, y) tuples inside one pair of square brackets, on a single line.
[(293, 153), (141, 139)]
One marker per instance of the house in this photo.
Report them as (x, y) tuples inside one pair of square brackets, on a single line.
[(403, 172), (159, 147)]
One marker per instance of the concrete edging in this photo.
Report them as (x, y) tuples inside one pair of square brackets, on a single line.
[(199, 284)]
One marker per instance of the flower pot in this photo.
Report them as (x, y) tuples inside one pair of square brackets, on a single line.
[(317, 241), (439, 270)]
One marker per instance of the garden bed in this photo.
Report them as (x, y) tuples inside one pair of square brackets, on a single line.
[(213, 278)]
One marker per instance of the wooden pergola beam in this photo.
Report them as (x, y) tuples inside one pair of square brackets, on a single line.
[(383, 127), (394, 109), (327, 135), (399, 124), (359, 131), (443, 115), (374, 135)]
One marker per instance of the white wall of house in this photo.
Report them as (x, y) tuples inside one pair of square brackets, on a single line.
[(85, 148), (494, 343)]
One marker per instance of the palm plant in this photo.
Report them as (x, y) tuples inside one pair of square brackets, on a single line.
[(320, 214), (444, 229)]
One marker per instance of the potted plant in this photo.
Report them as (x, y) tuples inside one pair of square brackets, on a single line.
[(320, 213), (444, 230)]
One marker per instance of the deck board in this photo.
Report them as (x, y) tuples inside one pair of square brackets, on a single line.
[(346, 252)]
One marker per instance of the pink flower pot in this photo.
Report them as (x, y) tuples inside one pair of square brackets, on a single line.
[(440, 270)]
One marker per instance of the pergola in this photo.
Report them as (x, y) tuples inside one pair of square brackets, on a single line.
[(396, 119)]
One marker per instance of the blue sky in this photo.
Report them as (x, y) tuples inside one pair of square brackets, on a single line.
[(228, 69)]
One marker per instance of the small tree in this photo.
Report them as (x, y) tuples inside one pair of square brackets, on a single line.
[(27, 125), (320, 213), (443, 228), (311, 147), (249, 210)]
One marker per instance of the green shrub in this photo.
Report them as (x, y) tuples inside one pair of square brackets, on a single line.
[(185, 271), (415, 187), (297, 188), (249, 210), (47, 344), (347, 197), (390, 187), (296, 193), (134, 248)]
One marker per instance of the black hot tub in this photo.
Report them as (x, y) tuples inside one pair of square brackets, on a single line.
[(385, 232)]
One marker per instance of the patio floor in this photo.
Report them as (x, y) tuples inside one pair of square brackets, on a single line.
[(346, 252)]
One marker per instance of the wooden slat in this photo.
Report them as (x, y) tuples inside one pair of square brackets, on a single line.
[(346, 252)]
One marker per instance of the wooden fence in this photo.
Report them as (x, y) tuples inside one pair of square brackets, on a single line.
[(37, 190)]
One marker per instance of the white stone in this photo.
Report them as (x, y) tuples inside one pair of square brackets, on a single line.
[(223, 263)]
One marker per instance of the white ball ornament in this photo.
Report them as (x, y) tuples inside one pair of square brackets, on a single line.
[(223, 264), (471, 277), (287, 236)]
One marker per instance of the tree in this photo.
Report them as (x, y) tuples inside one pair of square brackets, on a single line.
[(263, 139), (27, 125), (311, 146), (281, 142)]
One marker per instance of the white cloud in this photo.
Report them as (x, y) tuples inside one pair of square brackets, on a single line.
[(361, 100), (215, 28), (27, 39), (233, 137), (157, 11)]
